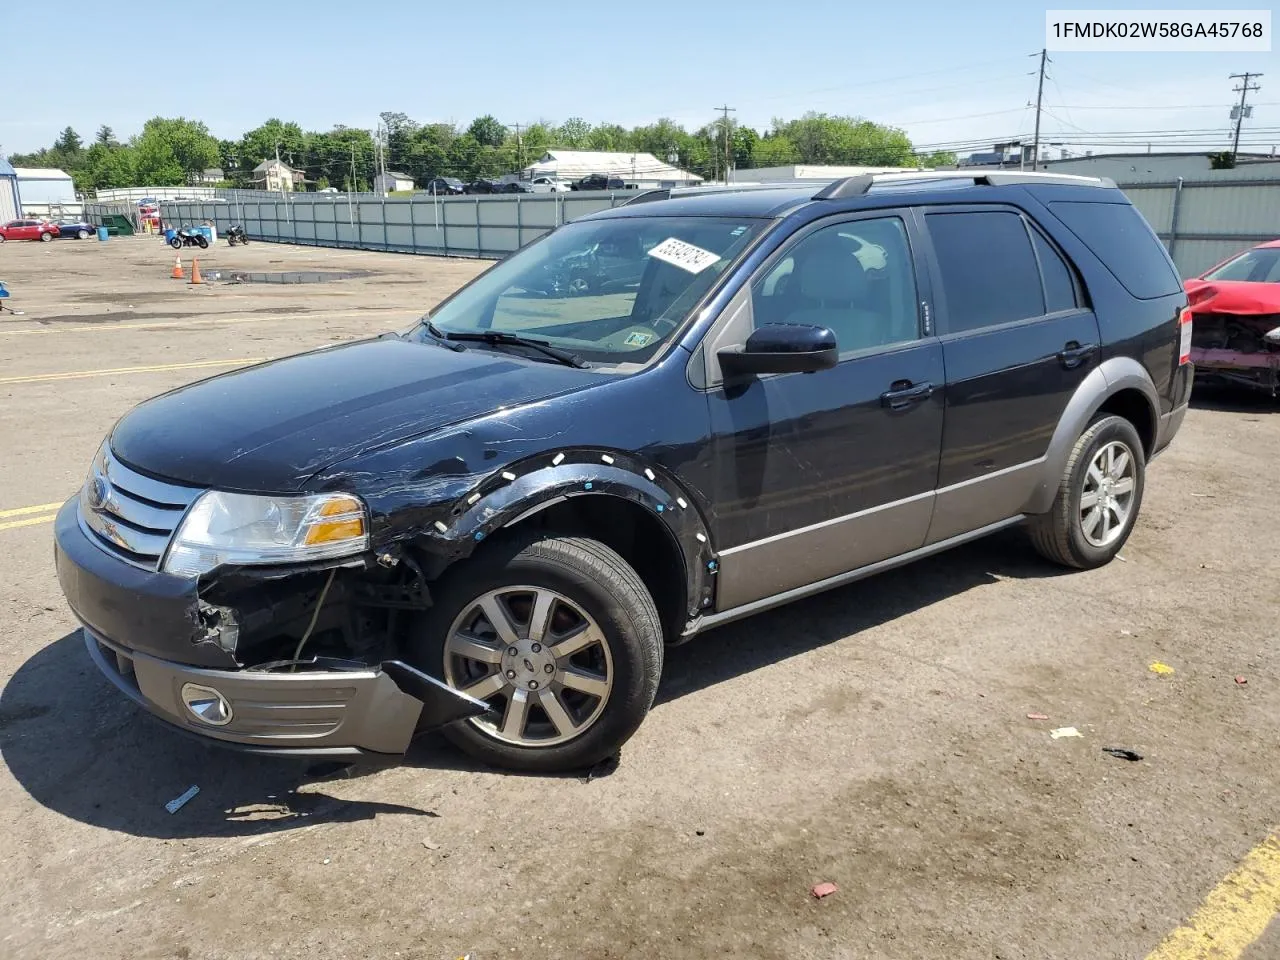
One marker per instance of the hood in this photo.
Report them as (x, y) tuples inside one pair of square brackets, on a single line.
[(1233, 296), (269, 427)]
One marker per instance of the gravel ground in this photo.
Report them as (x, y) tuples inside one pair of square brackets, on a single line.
[(875, 737)]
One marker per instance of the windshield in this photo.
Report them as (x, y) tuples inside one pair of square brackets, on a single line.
[(1261, 265), (607, 290)]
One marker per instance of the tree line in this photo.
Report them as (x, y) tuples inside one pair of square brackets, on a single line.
[(176, 151)]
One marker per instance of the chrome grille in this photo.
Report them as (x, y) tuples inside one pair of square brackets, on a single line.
[(131, 515)]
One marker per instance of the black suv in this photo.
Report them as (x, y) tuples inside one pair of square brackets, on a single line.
[(598, 181), (496, 521)]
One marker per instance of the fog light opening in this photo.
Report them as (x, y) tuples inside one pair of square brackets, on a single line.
[(206, 704)]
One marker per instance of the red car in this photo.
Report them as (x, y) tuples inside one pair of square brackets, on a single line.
[(28, 230), (1235, 310)]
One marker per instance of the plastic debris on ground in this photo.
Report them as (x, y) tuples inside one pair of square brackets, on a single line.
[(1037, 716), (1121, 753), (1242, 680), (177, 803), (1065, 732), (1163, 669), (821, 890), (430, 846)]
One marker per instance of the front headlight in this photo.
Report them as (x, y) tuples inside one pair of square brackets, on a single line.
[(239, 528)]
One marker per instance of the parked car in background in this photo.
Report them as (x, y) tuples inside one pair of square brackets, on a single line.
[(444, 186), (74, 227), (598, 181), (482, 185), (1235, 328), (548, 185), (29, 229), (513, 186)]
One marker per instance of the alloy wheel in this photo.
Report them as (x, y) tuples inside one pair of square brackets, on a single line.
[(1106, 501), (537, 657)]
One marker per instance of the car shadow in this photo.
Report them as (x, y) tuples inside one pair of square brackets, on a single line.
[(80, 748), (805, 625), (1225, 399)]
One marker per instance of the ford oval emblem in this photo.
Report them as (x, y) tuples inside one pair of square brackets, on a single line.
[(99, 490)]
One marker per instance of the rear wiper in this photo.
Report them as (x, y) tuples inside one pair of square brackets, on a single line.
[(514, 339), (441, 337)]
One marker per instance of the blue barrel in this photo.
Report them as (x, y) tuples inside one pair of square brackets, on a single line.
[(169, 234), (103, 234)]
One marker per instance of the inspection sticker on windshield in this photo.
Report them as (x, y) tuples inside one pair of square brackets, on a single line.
[(684, 255)]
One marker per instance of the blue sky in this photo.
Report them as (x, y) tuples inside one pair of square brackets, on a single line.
[(943, 71)]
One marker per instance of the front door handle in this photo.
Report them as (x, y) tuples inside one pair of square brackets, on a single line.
[(904, 394), (1074, 353)]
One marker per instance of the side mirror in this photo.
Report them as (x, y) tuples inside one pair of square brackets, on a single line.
[(782, 348)]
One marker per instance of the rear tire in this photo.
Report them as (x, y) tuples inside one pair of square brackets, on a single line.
[(202, 242), (581, 586), (46, 237), (83, 235), (1098, 499)]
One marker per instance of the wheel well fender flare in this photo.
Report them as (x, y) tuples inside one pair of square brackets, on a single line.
[(521, 490), (1103, 382)]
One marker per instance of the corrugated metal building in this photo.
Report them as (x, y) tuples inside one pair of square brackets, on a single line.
[(44, 185), (638, 169), (9, 208)]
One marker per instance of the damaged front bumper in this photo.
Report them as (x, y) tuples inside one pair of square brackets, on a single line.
[(140, 629)]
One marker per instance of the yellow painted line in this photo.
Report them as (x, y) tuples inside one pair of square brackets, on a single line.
[(28, 522), (1234, 914), (22, 511), (157, 368)]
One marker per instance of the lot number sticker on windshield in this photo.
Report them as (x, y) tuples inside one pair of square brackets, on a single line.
[(684, 255)]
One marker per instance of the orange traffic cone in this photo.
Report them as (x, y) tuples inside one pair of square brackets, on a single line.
[(176, 273), (195, 271)]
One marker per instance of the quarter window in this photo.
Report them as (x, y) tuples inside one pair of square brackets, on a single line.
[(854, 278), (989, 273), (1059, 288)]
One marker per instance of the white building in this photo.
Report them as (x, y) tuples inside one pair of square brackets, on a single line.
[(642, 170), (390, 181), (42, 187), (274, 175), (807, 172), (1127, 167), (9, 206)]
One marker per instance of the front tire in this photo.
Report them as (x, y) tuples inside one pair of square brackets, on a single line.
[(559, 635), (46, 237), (83, 235), (1098, 497), (176, 243)]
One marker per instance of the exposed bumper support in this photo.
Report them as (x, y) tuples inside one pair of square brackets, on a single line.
[(329, 713)]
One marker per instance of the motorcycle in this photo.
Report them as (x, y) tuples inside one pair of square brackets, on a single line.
[(237, 235), (189, 238)]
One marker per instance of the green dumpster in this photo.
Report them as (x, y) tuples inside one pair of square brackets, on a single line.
[(118, 225)]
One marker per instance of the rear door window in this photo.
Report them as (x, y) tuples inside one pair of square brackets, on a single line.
[(1125, 243), (989, 272)]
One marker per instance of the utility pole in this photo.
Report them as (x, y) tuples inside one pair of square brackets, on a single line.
[(1035, 149), (726, 111), (1244, 90), (519, 153)]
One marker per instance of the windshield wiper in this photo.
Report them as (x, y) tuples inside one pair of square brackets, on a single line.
[(498, 337), (440, 337)]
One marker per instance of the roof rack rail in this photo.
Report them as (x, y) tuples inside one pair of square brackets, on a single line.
[(667, 193), (862, 184)]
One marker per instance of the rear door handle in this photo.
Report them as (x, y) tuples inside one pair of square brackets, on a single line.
[(1074, 353), (904, 394)]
